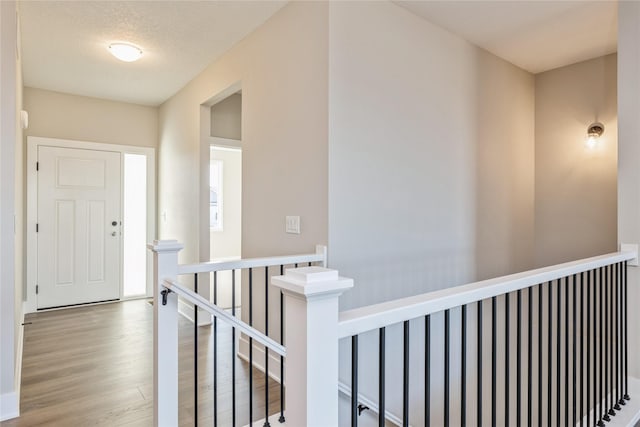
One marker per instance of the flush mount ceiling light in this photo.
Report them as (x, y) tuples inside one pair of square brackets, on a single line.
[(594, 132), (125, 52)]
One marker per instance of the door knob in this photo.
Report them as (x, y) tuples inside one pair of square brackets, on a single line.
[(114, 234), (114, 223)]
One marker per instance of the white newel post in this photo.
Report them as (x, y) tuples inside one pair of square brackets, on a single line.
[(311, 340), (165, 334)]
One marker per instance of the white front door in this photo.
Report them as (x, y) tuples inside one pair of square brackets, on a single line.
[(79, 226)]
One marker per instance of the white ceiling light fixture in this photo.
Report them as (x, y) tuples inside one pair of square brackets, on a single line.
[(125, 51)]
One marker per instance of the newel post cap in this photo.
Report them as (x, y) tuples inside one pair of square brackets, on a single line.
[(308, 282), (165, 246)]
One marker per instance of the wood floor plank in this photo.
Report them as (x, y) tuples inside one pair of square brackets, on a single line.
[(92, 366)]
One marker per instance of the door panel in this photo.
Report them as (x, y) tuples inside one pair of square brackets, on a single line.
[(78, 247)]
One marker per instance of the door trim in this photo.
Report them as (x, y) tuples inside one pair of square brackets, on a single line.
[(33, 142)]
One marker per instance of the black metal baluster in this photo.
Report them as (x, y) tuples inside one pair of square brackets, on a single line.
[(540, 289), (494, 352), (405, 372), (233, 349), (559, 353), (447, 363), (282, 419), (612, 412), (621, 400), (427, 371), (250, 347), (354, 381), (507, 362), (588, 376), (549, 352), (215, 352), (519, 358), (566, 351), (479, 365), (530, 358), (195, 353), (581, 334), (602, 411), (616, 336), (381, 377), (573, 349), (463, 369), (594, 310), (607, 408), (266, 349), (626, 336)]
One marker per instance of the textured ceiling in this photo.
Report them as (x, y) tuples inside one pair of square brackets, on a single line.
[(535, 35), (64, 43)]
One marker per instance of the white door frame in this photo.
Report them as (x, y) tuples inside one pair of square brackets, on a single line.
[(33, 142)]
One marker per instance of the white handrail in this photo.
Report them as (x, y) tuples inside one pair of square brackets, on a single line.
[(359, 320), (209, 267), (201, 302)]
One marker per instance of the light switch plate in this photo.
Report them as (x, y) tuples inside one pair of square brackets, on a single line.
[(292, 224)]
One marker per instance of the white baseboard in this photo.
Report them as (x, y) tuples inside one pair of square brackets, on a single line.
[(9, 406), (373, 406), (186, 310), (258, 357)]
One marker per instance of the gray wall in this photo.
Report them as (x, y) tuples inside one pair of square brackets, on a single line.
[(65, 116), (629, 158), (11, 205), (576, 186), (226, 118), (430, 156)]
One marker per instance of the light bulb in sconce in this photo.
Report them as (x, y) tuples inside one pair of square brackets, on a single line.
[(594, 132)]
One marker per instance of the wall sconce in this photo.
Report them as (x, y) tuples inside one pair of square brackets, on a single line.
[(594, 131)]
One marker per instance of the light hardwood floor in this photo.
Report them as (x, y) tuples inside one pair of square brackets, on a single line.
[(92, 366)]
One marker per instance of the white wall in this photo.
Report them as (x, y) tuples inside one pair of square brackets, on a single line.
[(430, 156), (65, 116), (629, 156), (575, 208), (10, 252)]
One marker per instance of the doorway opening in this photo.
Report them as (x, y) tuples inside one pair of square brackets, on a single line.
[(225, 193), (225, 217), (221, 192)]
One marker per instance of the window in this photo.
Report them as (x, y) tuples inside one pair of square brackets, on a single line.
[(135, 225), (215, 195)]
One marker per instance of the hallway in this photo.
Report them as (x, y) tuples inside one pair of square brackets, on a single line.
[(93, 365)]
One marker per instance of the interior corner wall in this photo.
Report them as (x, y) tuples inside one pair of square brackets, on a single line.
[(430, 156), (575, 186), (81, 118), (9, 399), (282, 70), (629, 157), (20, 215)]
